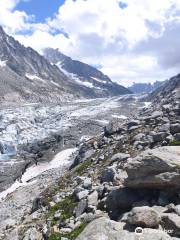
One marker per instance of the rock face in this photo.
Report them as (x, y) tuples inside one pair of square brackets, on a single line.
[(157, 168), (94, 81)]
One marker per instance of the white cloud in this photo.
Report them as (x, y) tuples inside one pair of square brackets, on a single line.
[(13, 20), (131, 44)]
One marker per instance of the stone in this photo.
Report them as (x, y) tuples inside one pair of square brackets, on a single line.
[(177, 136), (113, 127), (119, 157), (157, 168), (108, 175), (82, 194), (175, 128), (57, 215), (32, 234), (106, 229), (144, 217), (133, 123), (121, 199), (93, 199), (80, 208), (177, 209), (158, 136), (87, 184)]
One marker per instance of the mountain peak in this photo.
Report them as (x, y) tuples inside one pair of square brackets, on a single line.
[(97, 83)]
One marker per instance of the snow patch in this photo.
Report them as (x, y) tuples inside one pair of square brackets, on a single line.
[(34, 77), (147, 104), (99, 80), (61, 159), (119, 116), (2, 63)]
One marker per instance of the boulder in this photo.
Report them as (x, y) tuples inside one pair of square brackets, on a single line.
[(113, 127), (157, 168), (106, 229), (159, 136), (80, 208), (93, 199), (108, 175), (144, 217), (175, 128), (120, 199), (133, 123), (82, 194), (87, 183)]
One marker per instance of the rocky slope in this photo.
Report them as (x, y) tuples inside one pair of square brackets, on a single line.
[(122, 184), (96, 83)]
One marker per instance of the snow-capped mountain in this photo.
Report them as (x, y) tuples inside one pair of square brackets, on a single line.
[(26, 76), (97, 84)]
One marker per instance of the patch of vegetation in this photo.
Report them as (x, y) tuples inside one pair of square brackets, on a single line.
[(70, 236), (174, 143), (83, 167), (66, 207)]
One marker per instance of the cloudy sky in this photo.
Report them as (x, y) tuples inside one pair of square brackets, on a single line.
[(130, 40)]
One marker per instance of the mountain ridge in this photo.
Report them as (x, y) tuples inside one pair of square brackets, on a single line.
[(98, 83)]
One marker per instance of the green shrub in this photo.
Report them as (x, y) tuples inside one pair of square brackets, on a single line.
[(175, 143)]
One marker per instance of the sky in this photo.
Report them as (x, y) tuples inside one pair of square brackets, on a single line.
[(129, 40)]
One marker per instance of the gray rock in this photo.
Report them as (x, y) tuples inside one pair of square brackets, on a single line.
[(93, 199), (120, 157), (177, 136), (175, 128), (108, 175), (157, 168), (133, 123), (87, 183), (33, 234), (80, 208), (106, 229), (159, 136), (177, 209), (144, 217), (82, 194), (120, 199)]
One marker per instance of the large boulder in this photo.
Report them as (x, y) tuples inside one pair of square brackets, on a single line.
[(121, 199), (144, 217), (157, 168), (106, 229)]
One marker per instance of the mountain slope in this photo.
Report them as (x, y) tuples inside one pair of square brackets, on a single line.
[(98, 84), (169, 90), (145, 87), (26, 76)]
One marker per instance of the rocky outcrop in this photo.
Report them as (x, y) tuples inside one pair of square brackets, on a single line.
[(157, 168)]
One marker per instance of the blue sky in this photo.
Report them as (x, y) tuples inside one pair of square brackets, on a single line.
[(41, 9)]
